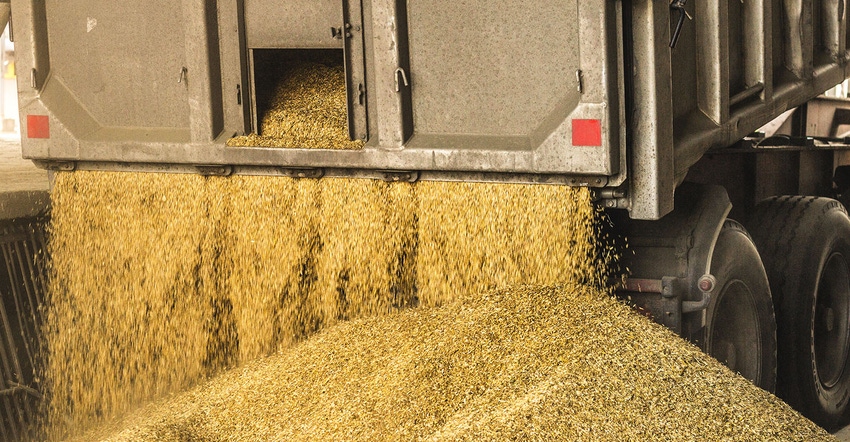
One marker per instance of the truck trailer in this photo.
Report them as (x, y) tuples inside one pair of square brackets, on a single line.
[(653, 104)]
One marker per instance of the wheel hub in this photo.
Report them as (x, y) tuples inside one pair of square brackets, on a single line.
[(831, 330), (735, 342), (829, 319)]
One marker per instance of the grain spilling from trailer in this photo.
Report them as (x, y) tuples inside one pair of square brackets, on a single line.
[(475, 237), (159, 281), (524, 363), (129, 313)]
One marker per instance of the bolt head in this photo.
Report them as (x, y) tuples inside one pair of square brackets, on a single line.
[(707, 283)]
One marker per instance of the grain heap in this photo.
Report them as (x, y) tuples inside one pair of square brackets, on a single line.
[(161, 280), (308, 110), (526, 363)]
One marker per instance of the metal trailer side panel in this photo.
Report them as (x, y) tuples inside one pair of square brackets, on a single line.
[(650, 138), (453, 90), (736, 66), (741, 64), (511, 78)]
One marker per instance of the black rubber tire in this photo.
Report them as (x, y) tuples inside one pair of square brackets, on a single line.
[(805, 245), (740, 327)]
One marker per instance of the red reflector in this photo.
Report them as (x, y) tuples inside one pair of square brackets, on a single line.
[(587, 132), (38, 126)]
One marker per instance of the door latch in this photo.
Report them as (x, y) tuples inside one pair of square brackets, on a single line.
[(679, 6)]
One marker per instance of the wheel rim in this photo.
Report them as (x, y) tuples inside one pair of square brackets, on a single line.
[(830, 331), (735, 340)]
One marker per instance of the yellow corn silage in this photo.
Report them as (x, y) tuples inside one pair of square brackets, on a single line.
[(158, 281)]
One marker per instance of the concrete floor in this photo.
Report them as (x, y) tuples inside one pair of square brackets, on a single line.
[(23, 187)]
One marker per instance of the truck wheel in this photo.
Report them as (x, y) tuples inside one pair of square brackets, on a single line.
[(805, 244), (740, 328)]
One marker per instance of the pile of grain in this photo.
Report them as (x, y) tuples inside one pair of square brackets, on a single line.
[(308, 110), (158, 281), (527, 363)]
